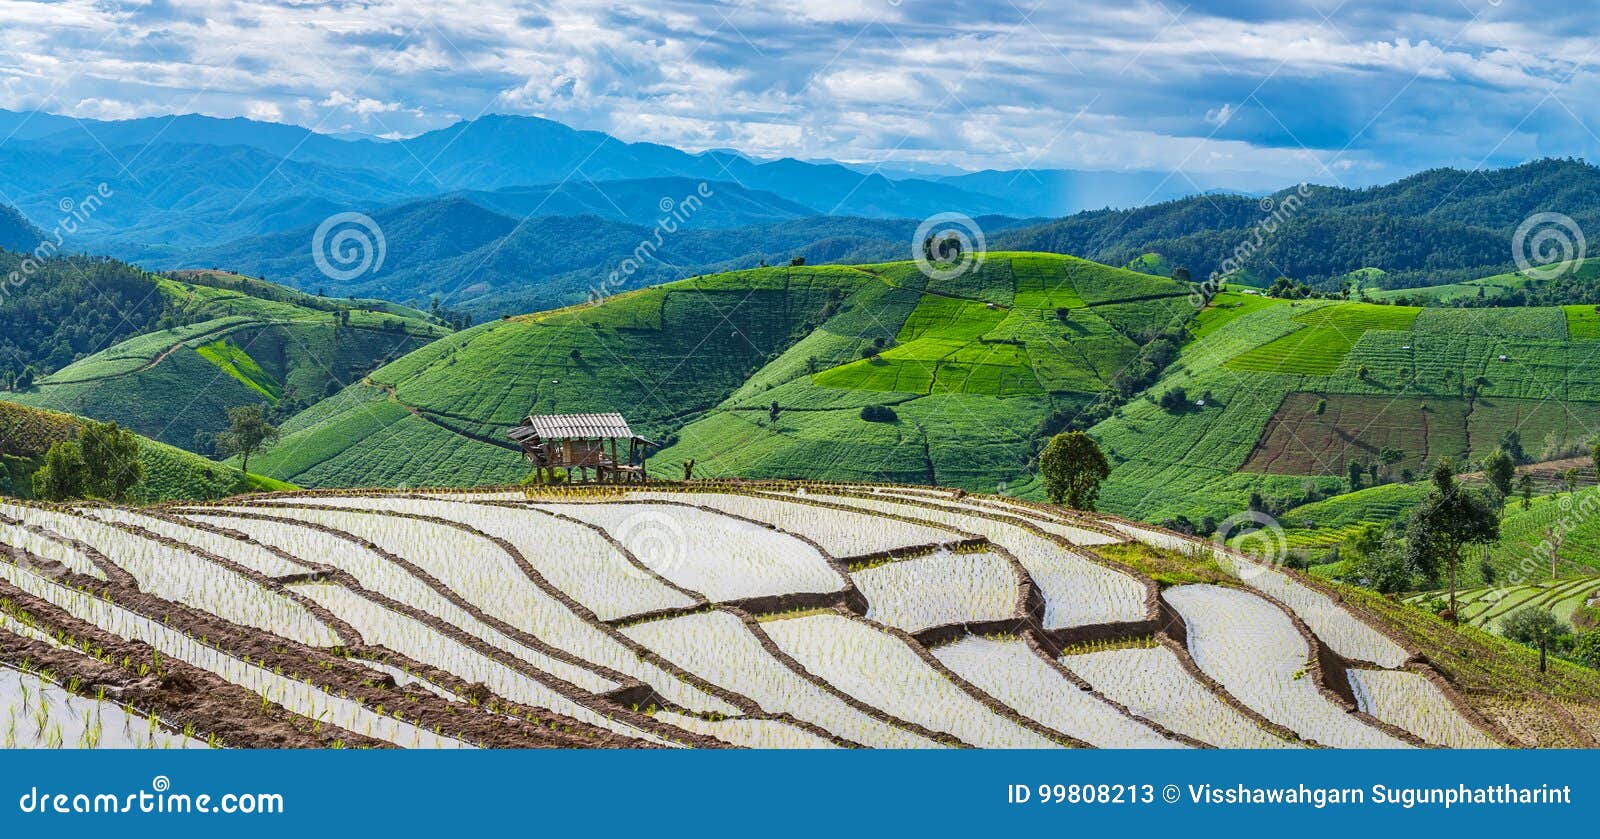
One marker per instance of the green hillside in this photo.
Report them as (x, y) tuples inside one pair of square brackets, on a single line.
[(170, 473), (1300, 389), (229, 341), (971, 368)]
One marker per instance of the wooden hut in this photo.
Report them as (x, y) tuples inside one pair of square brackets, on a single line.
[(585, 442)]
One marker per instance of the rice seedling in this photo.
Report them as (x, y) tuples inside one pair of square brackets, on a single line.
[(177, 574), (1151, 682), (415, 639), (748, 733), (840, 533), (884, 672), (723, 558), (484, 575), (250, 556), (940, 589), (1408, 700), (303, 700), (1015, 675), (718, 647), (1077, 591), (575, 559), (1254, 651)]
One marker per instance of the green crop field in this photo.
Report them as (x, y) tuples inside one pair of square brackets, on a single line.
[(286, 348), (170, 473), (1328, 334), (971, 365)]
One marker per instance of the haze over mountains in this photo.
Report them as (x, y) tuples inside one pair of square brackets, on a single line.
[(507, 215)]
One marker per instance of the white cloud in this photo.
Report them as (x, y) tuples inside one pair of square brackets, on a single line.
[(979, 83)]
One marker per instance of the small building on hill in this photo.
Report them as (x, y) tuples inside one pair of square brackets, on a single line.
[(583, 442)]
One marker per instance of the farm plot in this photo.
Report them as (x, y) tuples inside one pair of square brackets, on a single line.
[(1408, 700), (426, 644), (1254, 651), (47, 548), (254, 557), (180, 575), (748, 733), (1151, 682), (376, 573), (301, 698), (576, 559), (1336, 627), (1015, 675), (840, 533), (1312, 434), (886, 673), (1328, 335), (40, 714), (720, 648), (941, 589), (1056, 524), (723, 558), (1077, 592), (482, 573)]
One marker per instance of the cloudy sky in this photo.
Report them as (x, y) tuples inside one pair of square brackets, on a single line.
[(1354, 91)]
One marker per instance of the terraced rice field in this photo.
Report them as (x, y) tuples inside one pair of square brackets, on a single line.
[(760, 616)]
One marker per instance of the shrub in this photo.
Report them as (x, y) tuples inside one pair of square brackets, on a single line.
[(879, 413)]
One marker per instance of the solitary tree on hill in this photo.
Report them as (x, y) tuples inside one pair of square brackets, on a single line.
[(248, 431), (1535, 627), (1073, 467), (1449, 518)]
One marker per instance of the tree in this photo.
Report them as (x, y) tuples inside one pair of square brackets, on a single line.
[(1174, 400), (248, 431), (878, 413), (1535, 627), (774, 411), (1387, 570), (1525, 488), (1594, 457), (1354, 470), (1511, 443), (62, 477), (1586, 651), (1073, 467), (1449, 518), (103, 462), (1500, 470)]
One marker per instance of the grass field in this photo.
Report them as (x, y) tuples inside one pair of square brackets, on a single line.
[(1327, 335), (176, 385), (971, 365), (170, 473), (1479, 372)]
